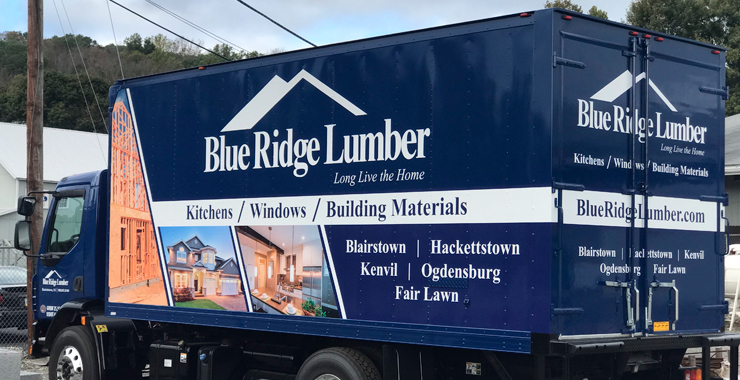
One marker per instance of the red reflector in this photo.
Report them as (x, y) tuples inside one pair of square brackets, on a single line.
[(659, 39), (634, 33), (647, 36), (566, 17), (525, 14), (715, 51)]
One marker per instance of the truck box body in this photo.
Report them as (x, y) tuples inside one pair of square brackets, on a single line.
[(465, 186)]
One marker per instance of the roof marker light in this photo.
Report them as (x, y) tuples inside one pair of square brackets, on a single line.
[(633, 33), (566, 17), (715, 51), (647, 36), (201, 68), (525, 14), (659, 39)]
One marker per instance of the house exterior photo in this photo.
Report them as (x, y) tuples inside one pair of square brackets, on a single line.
[(196, 271)]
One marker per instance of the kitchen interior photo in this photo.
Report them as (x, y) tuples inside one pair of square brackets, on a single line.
[(286, 271)]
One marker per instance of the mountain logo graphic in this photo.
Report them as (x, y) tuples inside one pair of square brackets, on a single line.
[(48, 275), (271, 94), (622, 84)]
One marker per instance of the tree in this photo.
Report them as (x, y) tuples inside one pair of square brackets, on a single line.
[(596, 12), (63, 96), (10, 36), (225, 51), (713, 21), (685, 18), (148, 47), (12, 59), (565, 4), (64, 104), (133, 42), (162, 43)]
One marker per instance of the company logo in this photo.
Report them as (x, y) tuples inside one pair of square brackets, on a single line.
[(619, 119), (286, 150), (622, 84), (271, 94), (54, 280), (53, 274)]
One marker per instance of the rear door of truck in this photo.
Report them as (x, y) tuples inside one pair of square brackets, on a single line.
[(660, 271)]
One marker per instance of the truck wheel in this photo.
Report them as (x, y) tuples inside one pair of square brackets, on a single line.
[(338, 363), (72, 356)]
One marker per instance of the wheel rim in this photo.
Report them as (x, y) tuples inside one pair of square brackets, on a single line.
[(327, 376), (69, 364)]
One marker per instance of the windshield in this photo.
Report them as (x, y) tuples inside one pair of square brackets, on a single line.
[(12, 276)]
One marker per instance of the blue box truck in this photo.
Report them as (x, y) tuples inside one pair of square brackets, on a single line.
[(536, 196)]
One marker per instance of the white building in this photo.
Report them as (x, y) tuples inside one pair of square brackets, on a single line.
[(732, 175), (66, 152)]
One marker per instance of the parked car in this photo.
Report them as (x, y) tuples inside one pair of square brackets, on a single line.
[(732, 270), (12, 297)]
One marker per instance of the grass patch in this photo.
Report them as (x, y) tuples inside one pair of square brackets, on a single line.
[(200, 304)]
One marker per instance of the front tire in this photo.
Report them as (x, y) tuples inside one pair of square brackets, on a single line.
[(338, 363), (73, 355)]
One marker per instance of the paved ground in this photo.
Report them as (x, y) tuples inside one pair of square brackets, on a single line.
[(40, 365), (235, 303)]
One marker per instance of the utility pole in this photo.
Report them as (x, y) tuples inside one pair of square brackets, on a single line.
[(34, 140)]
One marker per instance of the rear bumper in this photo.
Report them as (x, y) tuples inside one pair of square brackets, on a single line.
[(649, 343)]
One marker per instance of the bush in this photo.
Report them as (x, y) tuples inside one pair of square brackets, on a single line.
[(183, 294)]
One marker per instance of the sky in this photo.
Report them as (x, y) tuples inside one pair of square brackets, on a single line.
[(319, 21)]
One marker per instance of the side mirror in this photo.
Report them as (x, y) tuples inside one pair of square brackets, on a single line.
[(23, 235), (26, 205)]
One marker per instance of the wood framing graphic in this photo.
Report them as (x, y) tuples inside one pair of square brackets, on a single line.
[(134, 274)]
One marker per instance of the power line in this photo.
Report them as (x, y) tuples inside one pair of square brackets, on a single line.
[(195, 26), (198, 45), (85, 67), (276, 23), (115, 41), (77, 74)]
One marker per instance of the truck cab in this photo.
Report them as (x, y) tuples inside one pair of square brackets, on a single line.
[(70, 272)]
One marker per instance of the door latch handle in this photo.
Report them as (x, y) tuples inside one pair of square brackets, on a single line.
[(649, 309), (633, 315)]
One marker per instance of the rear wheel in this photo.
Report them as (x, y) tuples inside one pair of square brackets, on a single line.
[(72, 355), (338, 363)]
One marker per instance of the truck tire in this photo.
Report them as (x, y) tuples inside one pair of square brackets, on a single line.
[(338, 363), (73, 355)]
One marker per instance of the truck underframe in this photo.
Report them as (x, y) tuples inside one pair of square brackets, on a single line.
[(123, 349)]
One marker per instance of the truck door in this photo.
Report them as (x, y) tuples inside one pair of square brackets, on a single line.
[(594, 286), (629, 191), (61, 267), (682, 244)]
